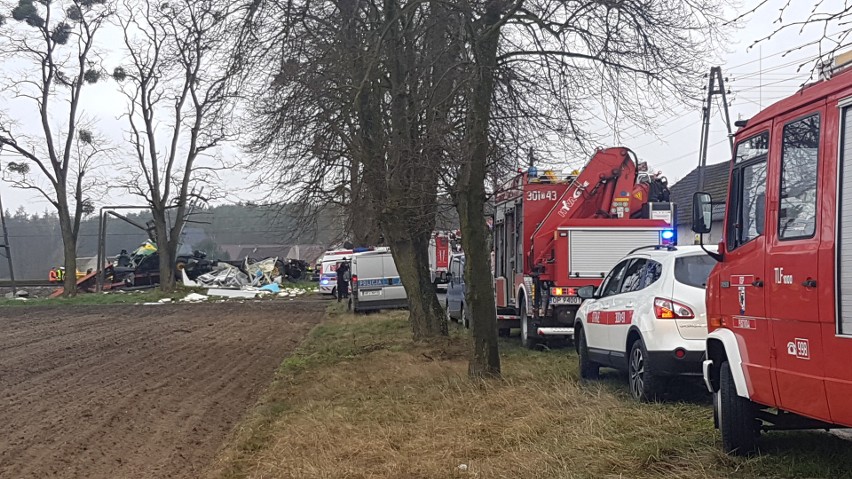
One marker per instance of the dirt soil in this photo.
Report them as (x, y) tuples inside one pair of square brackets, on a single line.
[(135, 391)]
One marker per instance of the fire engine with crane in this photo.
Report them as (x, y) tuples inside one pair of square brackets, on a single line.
[(554, 235), (779, 300)]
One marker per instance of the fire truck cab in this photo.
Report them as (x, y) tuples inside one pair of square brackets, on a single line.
[(779, 301), (554, 234)]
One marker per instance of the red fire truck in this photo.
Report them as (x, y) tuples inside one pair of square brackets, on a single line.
[(553, 235), (439, 256), (779, 302)]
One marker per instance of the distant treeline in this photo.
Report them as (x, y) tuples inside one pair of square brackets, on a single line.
[(37, 244)]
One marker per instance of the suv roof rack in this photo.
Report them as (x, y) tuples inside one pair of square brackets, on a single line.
[(655, 247)]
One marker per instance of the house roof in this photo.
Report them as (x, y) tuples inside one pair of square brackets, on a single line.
[(715, 182)]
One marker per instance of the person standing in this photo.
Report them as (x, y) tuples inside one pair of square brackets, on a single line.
[(343, 279)]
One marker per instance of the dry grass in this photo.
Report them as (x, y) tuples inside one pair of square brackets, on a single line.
[(361, 400)]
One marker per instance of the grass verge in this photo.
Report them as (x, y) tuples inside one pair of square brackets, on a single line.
[(360, 400)]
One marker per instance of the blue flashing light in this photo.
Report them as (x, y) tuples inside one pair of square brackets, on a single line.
[(324, 281), (668, 234)]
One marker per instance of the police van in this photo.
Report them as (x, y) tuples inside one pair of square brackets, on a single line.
[(375, 282)]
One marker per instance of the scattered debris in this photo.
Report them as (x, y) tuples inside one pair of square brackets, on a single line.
[(272, 288), (165, 300), (194, 297), (223, 275), (261, 271), (232, 293), (186, 281)]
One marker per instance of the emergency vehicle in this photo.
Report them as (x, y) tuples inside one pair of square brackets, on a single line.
[(553, 235), (779, 301), (439, 257), (328, 270), (375, 282)]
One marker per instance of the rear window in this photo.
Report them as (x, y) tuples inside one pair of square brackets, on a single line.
[(693, 270)]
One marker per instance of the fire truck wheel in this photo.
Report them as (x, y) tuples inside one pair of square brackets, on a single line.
[(737, 421), (588, 368), (527, 340), (644, 385)]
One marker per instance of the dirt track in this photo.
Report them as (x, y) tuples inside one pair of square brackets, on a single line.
[(139, 391)]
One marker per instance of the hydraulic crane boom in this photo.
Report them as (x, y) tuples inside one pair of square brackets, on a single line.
[(606, 188)]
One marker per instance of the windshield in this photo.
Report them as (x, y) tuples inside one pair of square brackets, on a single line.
[(693, 270)]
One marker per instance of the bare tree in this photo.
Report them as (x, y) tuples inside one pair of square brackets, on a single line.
[(540, 65), (180, 104), (358, 96), (54, 43), (822, 15)]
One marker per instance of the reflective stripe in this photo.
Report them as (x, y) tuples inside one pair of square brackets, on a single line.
[(379, 282)]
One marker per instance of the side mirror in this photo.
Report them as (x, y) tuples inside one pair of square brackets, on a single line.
[(586, 292), (702, 213)]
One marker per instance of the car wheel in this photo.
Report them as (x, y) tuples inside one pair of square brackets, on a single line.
[(334, 292), (588, 368), (644, 385), (526, 340), (737, 421), (465, 321)]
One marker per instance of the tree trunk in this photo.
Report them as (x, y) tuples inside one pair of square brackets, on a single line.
[(69, 243), (161, 227), (425, 313), (479, 293)]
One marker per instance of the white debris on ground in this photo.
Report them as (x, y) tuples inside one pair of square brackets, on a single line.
[(194, 298)]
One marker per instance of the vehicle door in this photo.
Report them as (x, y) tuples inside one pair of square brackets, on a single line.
[(792, 263), (620, 317), (837, 325), (598, 309), (742, 275), (453, 288), (370, 278)]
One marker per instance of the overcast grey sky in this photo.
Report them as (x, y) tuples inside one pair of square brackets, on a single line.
[(758, 77)]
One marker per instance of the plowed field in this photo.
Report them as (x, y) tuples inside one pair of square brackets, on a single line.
[(135, 391)]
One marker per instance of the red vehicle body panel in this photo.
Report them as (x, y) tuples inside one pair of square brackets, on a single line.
[(442, 251), (787, 331), (606, 194)]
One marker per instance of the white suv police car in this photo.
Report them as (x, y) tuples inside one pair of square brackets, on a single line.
[(647, 317)]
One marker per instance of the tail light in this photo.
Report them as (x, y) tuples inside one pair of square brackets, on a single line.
[(563, 291), (667, 309), (354, 279)]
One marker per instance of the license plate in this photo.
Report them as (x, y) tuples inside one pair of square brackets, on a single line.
[(566, 300), (376, 292)]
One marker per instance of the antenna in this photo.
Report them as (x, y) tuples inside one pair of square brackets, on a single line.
[(715, 86)]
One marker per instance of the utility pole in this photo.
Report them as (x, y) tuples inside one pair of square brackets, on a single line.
[(5, 245), (715, 86)]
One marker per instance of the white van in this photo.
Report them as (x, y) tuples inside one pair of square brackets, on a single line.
[(375, 282)]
